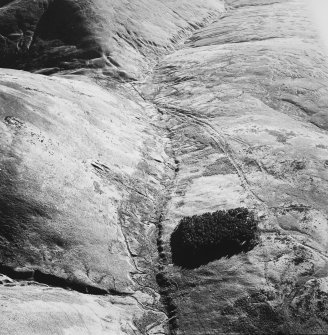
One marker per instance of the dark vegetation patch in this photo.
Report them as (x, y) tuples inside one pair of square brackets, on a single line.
[(167, 292), (220, 166), (203, 238)]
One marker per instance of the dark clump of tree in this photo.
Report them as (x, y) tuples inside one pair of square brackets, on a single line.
[(200, 239)]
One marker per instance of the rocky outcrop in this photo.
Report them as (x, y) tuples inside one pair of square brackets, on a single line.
[(158, 112)]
